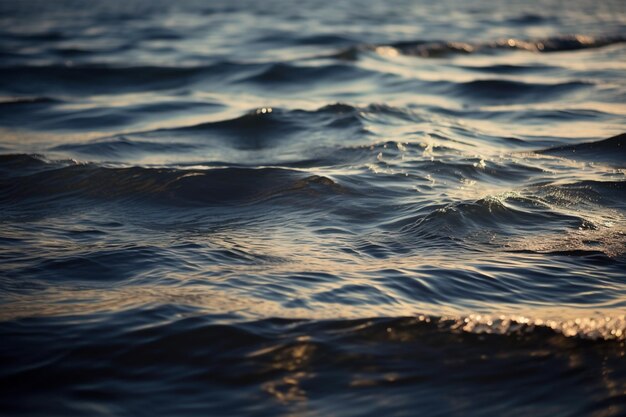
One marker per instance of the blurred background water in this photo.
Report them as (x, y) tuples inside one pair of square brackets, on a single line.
[(313, 208)]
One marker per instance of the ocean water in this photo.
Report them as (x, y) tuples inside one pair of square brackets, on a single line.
[(279, 208)]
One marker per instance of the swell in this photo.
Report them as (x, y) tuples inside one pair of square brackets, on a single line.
[(611, 150), (124, 359), (584, 193), (16, 165), (26, 101), (276, 121), (151, 326), (502, 91), (495, 213), (576, 218), (104, 79), (279, 74), (46, 114), (122, 147), (257, 130), (157, 185), (439, 49)]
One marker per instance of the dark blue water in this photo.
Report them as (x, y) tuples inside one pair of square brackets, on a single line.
[(312, 208)]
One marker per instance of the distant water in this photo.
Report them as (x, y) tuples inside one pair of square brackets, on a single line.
[(312, 208)]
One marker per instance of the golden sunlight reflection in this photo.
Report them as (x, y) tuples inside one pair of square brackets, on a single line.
[(294, 360)]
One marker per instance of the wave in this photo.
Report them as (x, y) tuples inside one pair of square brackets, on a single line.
[(537, 117), (52, 116), (275, 128), (277, 121), (513, 91), (122, 147), (510, 215), (530, 19), (439, 49), (285, 364), (611, 150), (509, 69), (26, 101), (572, 193), (271, 128), (157, 185), (293, 76), (281, 137), (264, 120), (555, 218), (104, 79), (17, 165), (519, 327)]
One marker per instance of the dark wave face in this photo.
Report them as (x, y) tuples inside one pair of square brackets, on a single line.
[(321, 209)]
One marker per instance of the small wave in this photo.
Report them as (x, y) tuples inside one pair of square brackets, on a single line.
[(165, 186), (267, 120), (279, 121), (16, 165), (43, 36), (268, 127), (322, 39), (510, 215), (538, 117), (513, 91), (121, 147), (509, 69), (439, 49), (297, 76), (26, 101), (583, 194), (19, 111), (304, 39), (98, 268), (555, 44), (530, 19), (594, 328), (285, 132), (274, 365), (104, 79), (611, 150), (52, 116)]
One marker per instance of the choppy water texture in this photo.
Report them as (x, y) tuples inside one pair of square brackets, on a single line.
[(313, 208)]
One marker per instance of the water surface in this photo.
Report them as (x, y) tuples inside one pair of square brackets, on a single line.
[(329, 208)]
